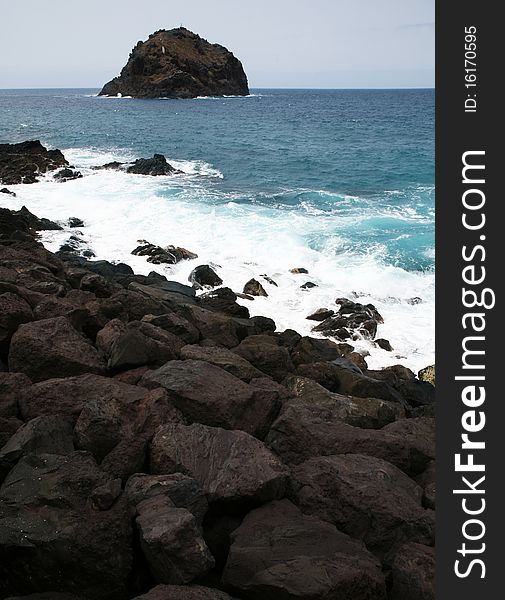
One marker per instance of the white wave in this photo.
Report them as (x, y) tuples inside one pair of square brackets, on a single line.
[(246, 241)]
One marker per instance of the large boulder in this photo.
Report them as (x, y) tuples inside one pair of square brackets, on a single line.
[(278, 552), (139, 343), (171, 542), (11, 385), (223, 300), (105, 423), (181, 490), (52, 348), (180, 592), (222, 358), (207, 394), (265, 353), (233, 468), (204, 276), (178, 64), (43, 435), (298, 435), (157, 165), (14, 311), (413, 572), (365, 497), (53, 537), (176, 324), (68, 396), (24, 162), (222, 329), (312, 399)]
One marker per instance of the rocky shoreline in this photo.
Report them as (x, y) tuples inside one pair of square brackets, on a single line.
[(161, 445)]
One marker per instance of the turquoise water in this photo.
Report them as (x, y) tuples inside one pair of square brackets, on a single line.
[(339, 181)]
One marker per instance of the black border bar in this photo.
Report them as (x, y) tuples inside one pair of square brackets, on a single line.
[(470, 522)]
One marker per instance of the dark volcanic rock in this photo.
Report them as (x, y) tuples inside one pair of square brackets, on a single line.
[(67, 175), (24, 162), (14, 311), (254, 288), (49, 529), (158, 255), (413, 573), (70, 395), (171, 542), (204, 275), (223, 300), (43, 435), (181, 490), (52, 348), (7, 191), (232, 467), (178, 592), (11, 385), (37, 223), (207, 394), (365, 497), (224, 359), (278, 552), (301, 432), (157, 165), (264, 352), (174, 323), (179, 64)]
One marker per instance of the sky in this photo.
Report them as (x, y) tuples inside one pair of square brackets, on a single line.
[(281, 43)]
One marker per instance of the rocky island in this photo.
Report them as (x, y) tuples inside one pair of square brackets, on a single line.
[(179, 64)]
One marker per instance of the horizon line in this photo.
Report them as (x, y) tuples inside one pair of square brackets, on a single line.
[(414, 87)]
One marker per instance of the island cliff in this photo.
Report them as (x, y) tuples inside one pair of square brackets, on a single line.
[(179, 64)]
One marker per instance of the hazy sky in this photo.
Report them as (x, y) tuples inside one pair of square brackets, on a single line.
[(281, 43)]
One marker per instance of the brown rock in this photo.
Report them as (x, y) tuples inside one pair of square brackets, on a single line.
[(232, 467), (207, 394), (278, 552), (52, 348), (414, 573)]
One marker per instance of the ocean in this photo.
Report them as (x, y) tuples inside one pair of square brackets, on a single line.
[(340, 182)]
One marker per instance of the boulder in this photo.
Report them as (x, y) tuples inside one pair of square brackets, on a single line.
[(51, 537), (307, 350), (8, 427), (181, 490), (52, 348), (157, 165), (204, 275), (254, 288), (98, 285), (158, 255), (75, 222), (308, 285), (298, 435), (278, 552), (223, 300), (104, 423), (36, 223), (68, 396), (7, 191), (311, 400), (365, 497), (14, 311), (179, 592), (321, 314), (299, 271), (140, 344), (428, 481), (224, 359), (265, 353), (67, 174), (179, 64), (171, 542), (11, 385), (233, 468), (207, 394), (43, 435), (24, 162), (413, 572), (175, 324)]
